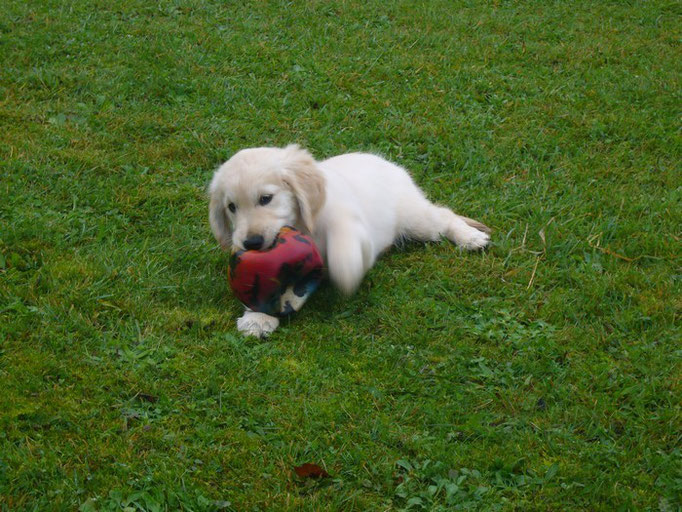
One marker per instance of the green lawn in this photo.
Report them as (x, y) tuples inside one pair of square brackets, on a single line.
[(544, 374)]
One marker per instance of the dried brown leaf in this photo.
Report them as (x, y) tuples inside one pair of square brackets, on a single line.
[(310, 471)]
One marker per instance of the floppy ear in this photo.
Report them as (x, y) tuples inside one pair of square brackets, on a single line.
[(217, 217), (307, 183)]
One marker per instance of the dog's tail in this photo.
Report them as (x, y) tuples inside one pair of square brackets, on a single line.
[(475, 224)]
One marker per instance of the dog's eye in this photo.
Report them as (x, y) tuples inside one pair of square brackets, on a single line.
[(265, 199), (232, 207)]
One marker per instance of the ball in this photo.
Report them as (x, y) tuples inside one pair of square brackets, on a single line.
[(277, 281)]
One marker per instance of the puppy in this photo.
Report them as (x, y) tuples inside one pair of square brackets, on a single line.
[(355, 206)]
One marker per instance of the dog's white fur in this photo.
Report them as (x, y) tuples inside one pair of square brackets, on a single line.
[(355, 206)]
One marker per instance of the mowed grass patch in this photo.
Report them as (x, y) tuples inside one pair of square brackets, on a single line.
[(543, 374)]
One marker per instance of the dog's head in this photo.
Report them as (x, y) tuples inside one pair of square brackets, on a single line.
[(259, 190)]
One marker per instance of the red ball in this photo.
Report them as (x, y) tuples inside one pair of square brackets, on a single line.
[(277, 281)]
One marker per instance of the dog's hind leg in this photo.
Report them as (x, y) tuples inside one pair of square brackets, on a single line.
[(425, 221)]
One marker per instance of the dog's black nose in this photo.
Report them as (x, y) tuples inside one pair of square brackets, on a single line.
[(253, 243)]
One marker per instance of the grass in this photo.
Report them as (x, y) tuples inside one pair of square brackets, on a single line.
[(545, 374)]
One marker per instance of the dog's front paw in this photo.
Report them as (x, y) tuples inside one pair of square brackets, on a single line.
[(474, 240), (257, 324)]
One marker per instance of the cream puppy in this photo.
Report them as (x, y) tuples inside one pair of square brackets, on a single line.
[(355, 206)]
